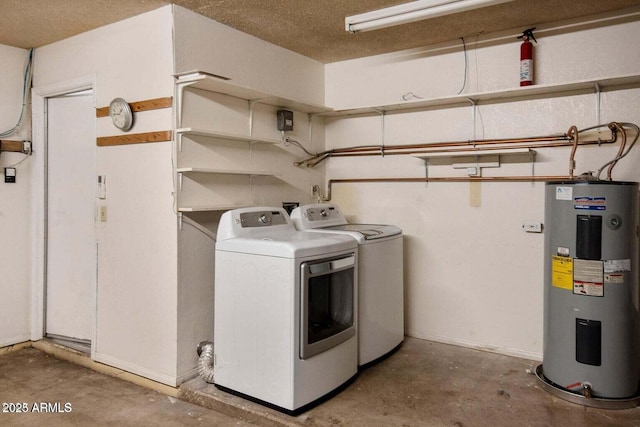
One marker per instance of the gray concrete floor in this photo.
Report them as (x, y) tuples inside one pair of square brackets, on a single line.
[(32, 377), (433, 384), (423, 384)]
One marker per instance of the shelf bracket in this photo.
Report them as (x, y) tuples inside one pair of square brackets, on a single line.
[(383, 114), (311, 116), (474, 111), (180, 220), (251, 103), (597, 91), (532, 154), (179, 94), (180, 181)]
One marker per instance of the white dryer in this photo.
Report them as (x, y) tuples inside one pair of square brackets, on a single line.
[(380, 277), (285, 331)]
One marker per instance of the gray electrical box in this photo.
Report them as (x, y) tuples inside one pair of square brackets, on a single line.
[(591, 288), (285, 120)]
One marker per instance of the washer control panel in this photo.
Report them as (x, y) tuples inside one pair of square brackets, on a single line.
[(262, 219)]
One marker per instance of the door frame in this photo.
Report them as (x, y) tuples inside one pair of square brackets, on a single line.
[(40, 95)]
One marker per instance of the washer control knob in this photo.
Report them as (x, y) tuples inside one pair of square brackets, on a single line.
[(323, 212), (264, 219)]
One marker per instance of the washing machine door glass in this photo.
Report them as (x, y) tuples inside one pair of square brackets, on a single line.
[(327, 304)]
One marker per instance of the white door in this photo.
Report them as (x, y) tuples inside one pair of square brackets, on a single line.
[(71, 191)]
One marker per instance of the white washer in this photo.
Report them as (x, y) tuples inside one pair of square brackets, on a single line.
[(380, 277), (285, 331)]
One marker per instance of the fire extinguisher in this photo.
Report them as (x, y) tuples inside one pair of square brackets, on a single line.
[(526, 57)]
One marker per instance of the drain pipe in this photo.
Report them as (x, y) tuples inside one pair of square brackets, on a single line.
[(205, 361)]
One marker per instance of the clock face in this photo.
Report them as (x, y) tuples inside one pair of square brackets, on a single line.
[(121, 114)]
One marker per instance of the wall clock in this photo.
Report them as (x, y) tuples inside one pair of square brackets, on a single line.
[(121, 114)]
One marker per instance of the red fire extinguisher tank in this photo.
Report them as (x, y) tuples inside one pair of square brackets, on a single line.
[(526, 57)]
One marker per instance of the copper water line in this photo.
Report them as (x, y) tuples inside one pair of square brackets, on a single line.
[(623, 142), (534, 142), (472, 143), (455, 150), (572, 163), (544, 142), (447, 179)]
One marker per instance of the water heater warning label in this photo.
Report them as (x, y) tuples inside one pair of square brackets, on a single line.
[(562, 272), (588, 277), (588, 288)]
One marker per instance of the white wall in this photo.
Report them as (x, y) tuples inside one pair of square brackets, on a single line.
[(472, 276), (15, 206), (137, 259), (206, 45)]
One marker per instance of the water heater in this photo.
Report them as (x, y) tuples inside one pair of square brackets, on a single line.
[(591, 291)]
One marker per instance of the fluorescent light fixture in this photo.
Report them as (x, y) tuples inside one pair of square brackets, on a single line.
[(411, 12)]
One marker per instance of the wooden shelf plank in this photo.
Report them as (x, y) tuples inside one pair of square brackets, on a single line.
[(138, 106), (211, 83), (135, 138), (12, 146)]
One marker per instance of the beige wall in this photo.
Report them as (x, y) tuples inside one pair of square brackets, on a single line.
[(15, 206), (137, 260), (472, 276)]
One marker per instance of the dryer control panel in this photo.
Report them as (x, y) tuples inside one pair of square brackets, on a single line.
[(254, 222), (323, 213), (262, 219)]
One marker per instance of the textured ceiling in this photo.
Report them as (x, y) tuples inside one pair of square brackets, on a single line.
[(314, 28)]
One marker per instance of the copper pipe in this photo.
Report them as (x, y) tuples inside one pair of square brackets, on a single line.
[(572, 163), (623, 142), (447, 179), (541, 142), (557, 141), (539, 145), (468, 143), (463, 145)]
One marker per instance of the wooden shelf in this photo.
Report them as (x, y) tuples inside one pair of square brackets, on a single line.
[(534, 91), (225, 136), (193, 170), (211, 83)]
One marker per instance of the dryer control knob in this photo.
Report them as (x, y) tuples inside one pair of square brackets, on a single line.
[(264, 219)]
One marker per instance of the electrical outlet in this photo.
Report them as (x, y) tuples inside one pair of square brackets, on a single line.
[(532, 227), (10, 175)]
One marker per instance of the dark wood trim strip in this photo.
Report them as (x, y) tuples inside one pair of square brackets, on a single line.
[(135, 138), (136, 107), (14, 146)]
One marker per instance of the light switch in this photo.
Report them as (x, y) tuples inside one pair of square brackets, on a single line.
[(10, 175), (102, 186)]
